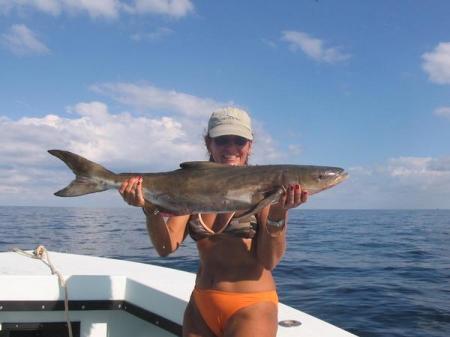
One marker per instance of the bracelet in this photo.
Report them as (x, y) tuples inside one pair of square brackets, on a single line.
[(275, 228), (276, 224), (153, 211)]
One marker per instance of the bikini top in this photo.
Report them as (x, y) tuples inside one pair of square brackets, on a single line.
[(242, 228)]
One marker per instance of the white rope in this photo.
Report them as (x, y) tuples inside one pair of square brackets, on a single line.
[(41, 253)]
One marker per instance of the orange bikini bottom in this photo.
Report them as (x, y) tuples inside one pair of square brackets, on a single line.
[(216, 306)]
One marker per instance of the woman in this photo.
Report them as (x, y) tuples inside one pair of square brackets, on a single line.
[(235, 294)]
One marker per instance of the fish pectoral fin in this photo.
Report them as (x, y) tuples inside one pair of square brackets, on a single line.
[(272, 197)]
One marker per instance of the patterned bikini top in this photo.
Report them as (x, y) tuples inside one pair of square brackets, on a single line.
[(242, 228)]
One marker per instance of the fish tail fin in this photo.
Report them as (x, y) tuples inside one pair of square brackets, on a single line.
[(90, 177)]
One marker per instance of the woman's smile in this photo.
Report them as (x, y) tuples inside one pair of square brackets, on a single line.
[(230, 152), (231, 159)]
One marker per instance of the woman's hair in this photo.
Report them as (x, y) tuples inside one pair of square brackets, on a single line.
[(206, 139)]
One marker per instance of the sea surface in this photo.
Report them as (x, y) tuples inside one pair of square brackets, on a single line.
[(371, 272)]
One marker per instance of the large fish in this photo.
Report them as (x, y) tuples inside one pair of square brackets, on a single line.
[(202, 187)]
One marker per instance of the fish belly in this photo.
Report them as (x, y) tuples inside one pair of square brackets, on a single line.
[(227, 201)]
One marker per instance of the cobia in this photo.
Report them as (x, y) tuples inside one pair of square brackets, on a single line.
[(202, 187)]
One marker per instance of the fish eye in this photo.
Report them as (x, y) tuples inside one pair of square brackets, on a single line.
[(325, 175), (320, 176)]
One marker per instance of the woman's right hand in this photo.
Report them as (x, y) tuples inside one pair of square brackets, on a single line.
[(131, 192)]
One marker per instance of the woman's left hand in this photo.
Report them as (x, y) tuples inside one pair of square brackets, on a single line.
[(293, 197)]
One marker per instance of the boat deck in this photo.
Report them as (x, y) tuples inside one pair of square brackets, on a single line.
[(148, 297)]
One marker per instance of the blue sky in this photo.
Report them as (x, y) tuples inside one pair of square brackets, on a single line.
[(130, 84)]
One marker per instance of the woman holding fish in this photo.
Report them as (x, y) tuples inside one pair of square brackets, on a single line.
[(235, 293)]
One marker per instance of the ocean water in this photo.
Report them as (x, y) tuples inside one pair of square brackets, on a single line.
[(371, 272)]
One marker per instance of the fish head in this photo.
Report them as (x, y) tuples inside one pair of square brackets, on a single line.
[(319, 178)]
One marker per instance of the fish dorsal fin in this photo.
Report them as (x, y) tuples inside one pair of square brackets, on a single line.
[(200, 165)]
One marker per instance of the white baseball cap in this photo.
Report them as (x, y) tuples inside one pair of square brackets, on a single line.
[(230, 121)]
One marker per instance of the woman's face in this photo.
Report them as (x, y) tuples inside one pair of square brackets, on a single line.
[(230, 150)]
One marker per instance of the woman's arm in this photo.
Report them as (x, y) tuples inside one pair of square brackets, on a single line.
[(271, 237), (166, 236)]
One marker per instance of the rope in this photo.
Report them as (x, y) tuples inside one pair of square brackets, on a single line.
[(41, 253)]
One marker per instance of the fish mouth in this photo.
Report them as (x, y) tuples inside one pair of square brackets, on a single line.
[(340, 178), (337, 179), (344, 175)]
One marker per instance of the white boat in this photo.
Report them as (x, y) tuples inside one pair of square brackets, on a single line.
[(108, 297)]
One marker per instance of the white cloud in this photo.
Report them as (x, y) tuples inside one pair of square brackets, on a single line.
[(175, 8), (443, 111), (143, 143), (119, 141), (408, 166), (52, 7), (437, 63), (295, 149), (98, 134), (423, 177), (48, 6), (22, 41), (403, 182), (191, 111), (440, 164), (127, 141), (101, 8), (149, 97), (313, 47), (97, 8)]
